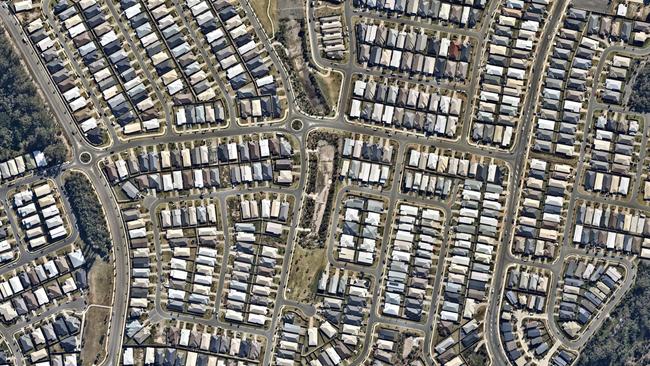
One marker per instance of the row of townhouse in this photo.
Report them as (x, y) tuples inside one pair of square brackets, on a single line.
[(338, 331), (614, 142), (465, 13), (613, 228), (412, 51), (504, 80), (212, 163), (254, 260), (41, 214), (41, 284), (191, 273), (184, 345), (412, 258), (540, 222), (66, 80), (587, 287), (385, 102), (241, 56), (99, 44), (52, 342), (365, 161), (361, 230), (617, 76), (332, 42), (565, 90), (434, 172)]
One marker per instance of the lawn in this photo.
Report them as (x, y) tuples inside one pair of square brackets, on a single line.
[(331, 86)]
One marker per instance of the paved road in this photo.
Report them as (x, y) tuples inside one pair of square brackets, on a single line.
[(310, 124), (199, 41), (516, 177), (52, 22), (57, 106), (159, 89), (578, 195), (567, 249), (516, 161)]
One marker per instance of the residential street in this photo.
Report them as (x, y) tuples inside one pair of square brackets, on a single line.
[(516, 160)]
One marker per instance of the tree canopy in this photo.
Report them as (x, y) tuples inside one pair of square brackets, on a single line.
[(624, 338), (640, 97), (88, 211), (25, 124)]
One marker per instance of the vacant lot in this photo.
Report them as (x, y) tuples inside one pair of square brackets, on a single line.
[(294, 53), (306, 266), (94, 335), (323, 182)]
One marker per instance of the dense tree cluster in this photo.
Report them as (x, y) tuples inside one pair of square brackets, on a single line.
[(25, 123), (310, 186), (332, 138), (308, 208), (90, 216), (624, 338), (640, 97), (478, 358)]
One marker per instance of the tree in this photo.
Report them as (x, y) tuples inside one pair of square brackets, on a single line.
[(56, 154), (624, 337)]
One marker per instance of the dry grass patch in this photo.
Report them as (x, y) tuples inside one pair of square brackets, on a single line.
[(100, 281), (331, 86), (306, 266), (94, 335), (264, 10)]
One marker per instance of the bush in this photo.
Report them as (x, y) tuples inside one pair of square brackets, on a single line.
[(90, 216), (313, 173)]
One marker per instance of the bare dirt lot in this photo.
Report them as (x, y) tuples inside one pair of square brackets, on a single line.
[(100, 282)]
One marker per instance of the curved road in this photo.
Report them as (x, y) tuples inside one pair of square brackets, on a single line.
[(515, 159)]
